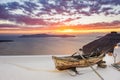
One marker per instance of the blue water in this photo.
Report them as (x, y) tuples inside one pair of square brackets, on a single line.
[(45, 46)]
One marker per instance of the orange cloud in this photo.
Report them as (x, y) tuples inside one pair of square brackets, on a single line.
[(61, 30)]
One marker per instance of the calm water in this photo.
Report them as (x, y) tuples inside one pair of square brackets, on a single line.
[(45, 46)]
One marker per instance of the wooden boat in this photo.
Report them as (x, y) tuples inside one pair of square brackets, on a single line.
[(100, 47), (63, 63)]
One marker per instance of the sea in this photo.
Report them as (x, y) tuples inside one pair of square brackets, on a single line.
[(45, 45)]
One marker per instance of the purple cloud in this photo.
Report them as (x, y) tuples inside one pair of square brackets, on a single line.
[(32, 11)]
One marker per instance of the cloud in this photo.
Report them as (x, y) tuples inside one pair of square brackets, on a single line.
[(6, 26), (53, 12), (105, 24)]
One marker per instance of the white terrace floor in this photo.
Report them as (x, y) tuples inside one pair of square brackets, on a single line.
[(42, 68)]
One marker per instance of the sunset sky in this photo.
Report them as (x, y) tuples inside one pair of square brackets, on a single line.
[(59, 16)]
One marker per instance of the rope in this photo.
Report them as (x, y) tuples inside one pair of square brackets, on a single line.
[(92, 68)]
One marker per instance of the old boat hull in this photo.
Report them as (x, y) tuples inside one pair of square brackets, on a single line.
[(63, 63)]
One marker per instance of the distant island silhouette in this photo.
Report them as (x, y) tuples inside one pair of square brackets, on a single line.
[(46, 35), (6, 40)]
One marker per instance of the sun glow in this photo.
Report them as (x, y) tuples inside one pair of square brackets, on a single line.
[(68, 30), (61, 30)]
